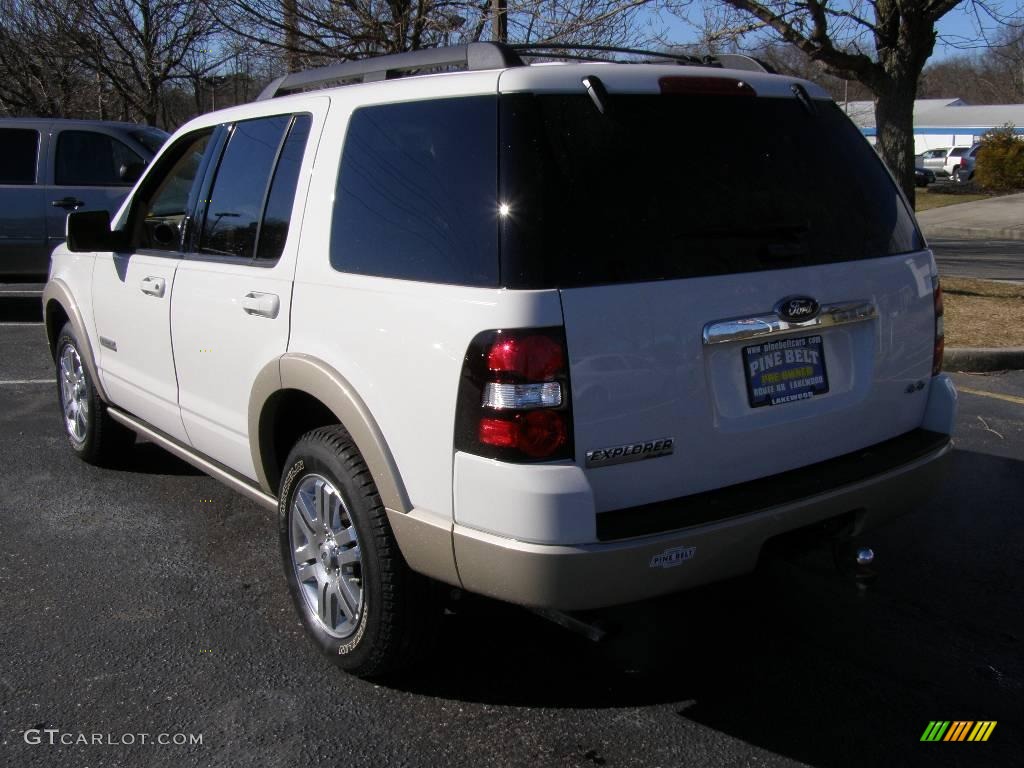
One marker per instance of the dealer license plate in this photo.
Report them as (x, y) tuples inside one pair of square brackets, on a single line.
[(785, 371)]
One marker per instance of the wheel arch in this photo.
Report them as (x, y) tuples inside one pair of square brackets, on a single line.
[(59, 307), (298, 392)]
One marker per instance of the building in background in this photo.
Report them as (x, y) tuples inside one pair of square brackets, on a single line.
[(944, 122)]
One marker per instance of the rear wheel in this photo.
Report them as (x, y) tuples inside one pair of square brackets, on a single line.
[(90, 431), (355, 594)]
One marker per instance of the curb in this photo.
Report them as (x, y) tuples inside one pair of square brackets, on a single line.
[(941, 231), (983, 359)]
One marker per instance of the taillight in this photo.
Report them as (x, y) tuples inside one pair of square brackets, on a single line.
[(513, 402), (940, 334)]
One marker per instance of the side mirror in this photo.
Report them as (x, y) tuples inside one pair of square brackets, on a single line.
[(130, 172), (89, 231)]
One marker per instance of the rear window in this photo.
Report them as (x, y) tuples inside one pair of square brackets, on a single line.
[(19, 149), (674, 186)]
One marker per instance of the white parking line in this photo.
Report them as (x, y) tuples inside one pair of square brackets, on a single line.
[(16, 325), (28, 381)]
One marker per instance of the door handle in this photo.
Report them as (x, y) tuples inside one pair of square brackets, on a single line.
[(154, 286), (68, 202), (262, 304)]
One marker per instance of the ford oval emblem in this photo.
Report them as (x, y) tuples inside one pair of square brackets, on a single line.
[(798, 309)]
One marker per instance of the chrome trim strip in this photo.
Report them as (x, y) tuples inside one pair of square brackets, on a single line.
[(744, 328), (213, 469)]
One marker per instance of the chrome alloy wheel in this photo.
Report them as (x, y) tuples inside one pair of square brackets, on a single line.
[(326, 556), (74, 394)]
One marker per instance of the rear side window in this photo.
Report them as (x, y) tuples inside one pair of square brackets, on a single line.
[(417, 192), (235, 205), (674, 186), (19, 152), (90, 159), (281, 199)]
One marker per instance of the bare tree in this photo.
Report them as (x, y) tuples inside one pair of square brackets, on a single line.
[(883, 44), (311, 32), (139, 46), (37, 77)]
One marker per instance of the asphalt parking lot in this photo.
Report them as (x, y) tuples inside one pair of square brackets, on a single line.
[(149, 600)]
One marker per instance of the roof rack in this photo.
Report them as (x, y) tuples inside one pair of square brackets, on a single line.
[(721, 60), (471, 57), (475, 56)]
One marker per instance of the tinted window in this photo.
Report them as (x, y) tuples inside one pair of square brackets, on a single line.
[(163, 201), (151, 138), (90, 159), (623, 197), (233, 212), (19, 149), (274, 229), (416, 195)]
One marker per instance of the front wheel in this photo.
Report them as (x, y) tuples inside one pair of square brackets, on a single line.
[(90, 431), (356, 596)]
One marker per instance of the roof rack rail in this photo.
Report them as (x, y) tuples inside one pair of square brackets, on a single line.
[(473, 56), (476, 56), (721, 60), (553, 50)]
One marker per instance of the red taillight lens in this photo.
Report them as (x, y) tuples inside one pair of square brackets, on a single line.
[(940, 331), (533, 358), (513, 402), (538, 434)]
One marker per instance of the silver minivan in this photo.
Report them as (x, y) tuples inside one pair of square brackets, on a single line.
[(50, 167)]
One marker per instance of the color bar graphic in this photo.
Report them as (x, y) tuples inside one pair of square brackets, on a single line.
[(958, 730), (935, 730)]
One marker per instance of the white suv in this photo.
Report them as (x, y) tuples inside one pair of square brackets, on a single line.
[(480, 329)]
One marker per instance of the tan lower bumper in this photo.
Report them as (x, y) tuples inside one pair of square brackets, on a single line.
[(598, 575)]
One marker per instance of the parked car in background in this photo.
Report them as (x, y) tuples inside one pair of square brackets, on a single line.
[(964, 170), (923, 177), (932, 159), (50, 167), (953, 160)]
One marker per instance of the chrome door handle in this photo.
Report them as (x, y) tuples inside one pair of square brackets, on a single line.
[(68, 202), (262, 304), (154, 286)]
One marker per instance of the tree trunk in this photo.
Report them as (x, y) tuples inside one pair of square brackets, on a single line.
[(894, 119), (290, 15)]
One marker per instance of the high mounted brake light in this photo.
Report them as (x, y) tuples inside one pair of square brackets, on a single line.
[(513, 402), (705, 86)]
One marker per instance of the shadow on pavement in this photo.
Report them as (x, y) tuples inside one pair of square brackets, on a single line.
[(151, 459), (20, 309), (796, 658)]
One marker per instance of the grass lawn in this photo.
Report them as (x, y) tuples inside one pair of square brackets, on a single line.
[(983, 313), (925, 200)]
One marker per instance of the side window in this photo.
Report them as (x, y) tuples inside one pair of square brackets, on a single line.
[(19, 152), (90, 159), (235, 205), (161, 206), (417, 192), (281, 199)]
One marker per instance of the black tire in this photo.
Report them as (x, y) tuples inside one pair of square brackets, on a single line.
[(398, 610), (99, 439), (956, 175)]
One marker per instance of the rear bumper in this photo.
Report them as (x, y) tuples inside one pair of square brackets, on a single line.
[(597, 575)]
